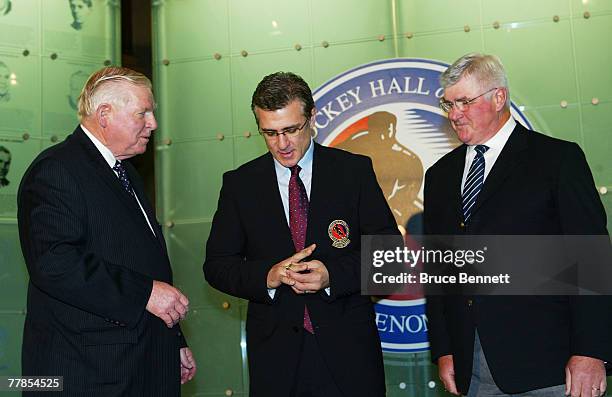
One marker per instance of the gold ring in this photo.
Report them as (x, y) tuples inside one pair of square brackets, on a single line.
[(287, 267)]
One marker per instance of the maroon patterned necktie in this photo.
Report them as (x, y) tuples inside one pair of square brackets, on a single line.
[(298, 222)]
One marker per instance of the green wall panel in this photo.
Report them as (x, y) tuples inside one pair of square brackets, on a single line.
[(435, 45), (349, 20), (266, 25), (418, 16), (537, 79), (521, 11), (20, 28), (593, 61), (191, 94), (558, 122), (211, 158), (248, 148), (13, 274), (338, 58), (20, 108), (182, 238), (216, 372), (598, 144), (204, 22), (11, 331)]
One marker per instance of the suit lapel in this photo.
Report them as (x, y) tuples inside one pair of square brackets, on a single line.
[(108, 176), (146, 205), (510, 156), (322, 181), (456, 173)]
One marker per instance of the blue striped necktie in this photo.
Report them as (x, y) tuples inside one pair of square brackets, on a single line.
[(473, 182)]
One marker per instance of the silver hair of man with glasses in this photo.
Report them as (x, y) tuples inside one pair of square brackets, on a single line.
[(508, 180)]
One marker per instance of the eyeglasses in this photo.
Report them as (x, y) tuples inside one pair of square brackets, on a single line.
[(460, 104), (288, 132)]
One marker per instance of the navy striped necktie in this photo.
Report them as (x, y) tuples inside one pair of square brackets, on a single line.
[(473, 182), (123, 177)]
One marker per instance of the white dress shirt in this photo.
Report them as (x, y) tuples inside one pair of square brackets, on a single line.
[(111, 160), (495, 144), (283, 174)]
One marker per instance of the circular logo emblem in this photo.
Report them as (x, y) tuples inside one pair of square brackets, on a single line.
[(388, 110), (338, 231)]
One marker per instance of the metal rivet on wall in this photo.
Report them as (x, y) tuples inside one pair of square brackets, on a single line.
[(402, 385), (556, 18), (225, 305), (431, 384), (586, 15), (53, 56), (595, 101), (166, 62), (297, 47), (220, 137), (466, 28), (26, 52), (244, 53), (167, 142), (409, 35), (603, 190), (107, 62), (381, 37), (54, 138), (229, 392), (25, 136), (496, 25), (247, 134), (563, 104), (169, 224), (325, 44), (217, 56)]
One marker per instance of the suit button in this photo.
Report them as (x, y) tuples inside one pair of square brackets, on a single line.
[(295, 329), (470, 302), (179, 333)]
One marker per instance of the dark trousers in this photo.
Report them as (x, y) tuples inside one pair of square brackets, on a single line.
[(313, 378)]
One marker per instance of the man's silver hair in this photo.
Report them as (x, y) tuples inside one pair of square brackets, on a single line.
[(487, 70)]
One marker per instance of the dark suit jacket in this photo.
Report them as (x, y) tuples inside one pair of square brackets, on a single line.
[(538, 186), (250, 234), (92, 260)]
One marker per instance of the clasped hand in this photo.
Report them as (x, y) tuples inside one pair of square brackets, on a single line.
[(302, 277)]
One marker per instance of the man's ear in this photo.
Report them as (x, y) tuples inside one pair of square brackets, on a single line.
[(500, 98), (103, 114), (313, 114)]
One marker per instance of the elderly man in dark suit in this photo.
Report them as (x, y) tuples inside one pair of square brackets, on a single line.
[(286, 236), (507, 180), (102, 311)]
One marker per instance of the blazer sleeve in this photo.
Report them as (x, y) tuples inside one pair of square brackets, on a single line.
[(54, 238), (225, 266), (582, 213), (375, 218), (438, 334)]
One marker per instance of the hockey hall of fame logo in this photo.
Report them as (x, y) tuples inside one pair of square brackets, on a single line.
[(388, 110)]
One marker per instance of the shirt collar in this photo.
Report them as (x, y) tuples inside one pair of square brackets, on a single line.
[(498, 140), (305, 162), (104, 151)]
